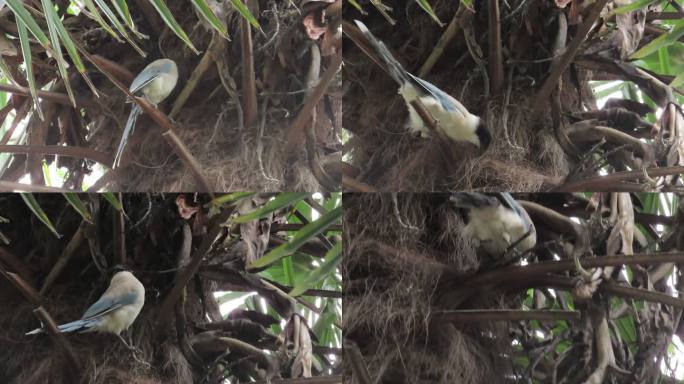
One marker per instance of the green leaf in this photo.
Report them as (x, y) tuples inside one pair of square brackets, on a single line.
[(357, 6), (54, 38), (289, 271), (210, 17), (631, 7), (113, 201), (281, 201), (94, 14), (328, 266), (78, 205), (171, 22), (228, 198), (33, 205), (119, 27), (25, 18), (54, 20), (244, 11), (302, 236), (427, 8), (323, 325), (28, 61), (661, 41), (122, 9)]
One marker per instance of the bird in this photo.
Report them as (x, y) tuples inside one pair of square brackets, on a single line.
[(496, 223), (453, 118), (155, 83), (114, 311)]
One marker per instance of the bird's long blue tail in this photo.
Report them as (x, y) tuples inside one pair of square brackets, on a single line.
[(472, 200), (78, 325), (394, 68), (128, 131)]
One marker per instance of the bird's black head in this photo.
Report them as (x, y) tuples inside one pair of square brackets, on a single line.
[(120, 268), (483, 134)]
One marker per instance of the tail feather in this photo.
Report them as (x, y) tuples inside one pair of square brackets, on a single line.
[(128, 131), (77, 325), (394, 68), (473, 200)]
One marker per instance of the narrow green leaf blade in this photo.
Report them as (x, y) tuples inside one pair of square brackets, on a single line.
[(78, 205), (300, 238), (24, 17), (631, 7), (54, 38), (113, 201), (210, 17), (171, 22), (33, 205), (330, 262), (69, 45), (119, 27), (94, 14), (281, 201), (28, 61), (244, 11), (661, 41), (228, 198), (427, 8)]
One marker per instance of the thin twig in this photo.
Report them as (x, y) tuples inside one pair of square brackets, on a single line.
[(496, 69), (557, 69), (248, 77), (477, 315), (296, 129), (184, 275)]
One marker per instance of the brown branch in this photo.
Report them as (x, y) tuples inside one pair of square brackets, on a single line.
[(56, 97), (304, 380), (78, 152), (557, 69), (10, 260), (119, 71), (184, 275), (249, 92), (612, 182), (296, 129), (453, 276), (18, 117), (663, 16), (477, 315), (609, 288), (446, 38), (215, 47), (32, 297), (359, 368), (10, 186), (354, 185), (495, 55), (37, 136), (75, 241)]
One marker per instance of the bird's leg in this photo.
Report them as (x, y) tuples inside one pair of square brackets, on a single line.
[(134, 349), (129, 346)]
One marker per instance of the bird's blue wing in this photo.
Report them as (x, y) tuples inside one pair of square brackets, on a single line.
[(108, 304), (513, 205), (445, 100), (143, 79)]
